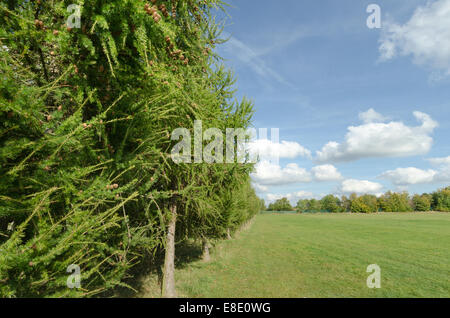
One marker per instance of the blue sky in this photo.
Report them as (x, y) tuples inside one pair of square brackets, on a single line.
[(314, 69)]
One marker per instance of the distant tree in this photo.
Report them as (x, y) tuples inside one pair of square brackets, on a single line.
[(371, 201), (281, 205), (345, 203), (313, 205), (263, 205), (395, 202), (331, 203), (302, 206), (353, 197), (441, 200), (358, 206), (364, 204), (422, 203)]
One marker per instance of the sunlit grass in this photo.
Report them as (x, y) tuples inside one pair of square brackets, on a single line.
[(326, 255)]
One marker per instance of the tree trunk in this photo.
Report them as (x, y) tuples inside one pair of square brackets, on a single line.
[(168, 288), (206, 247), (228, 234)]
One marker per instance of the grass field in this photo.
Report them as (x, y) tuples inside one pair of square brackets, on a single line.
[(326, 255)]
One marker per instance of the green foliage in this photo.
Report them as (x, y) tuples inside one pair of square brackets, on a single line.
[(282, 204), (441, 200), (86, 117), (302, 206), (422, 203), (395, 202), (345, 203), (313, 205), (389, 202), (359, 206), (262, 205), (364, 204), (330, 203)]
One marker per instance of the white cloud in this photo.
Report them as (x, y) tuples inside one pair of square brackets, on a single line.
[(410, 176), (292, 197), (326, 173), (267, 173), (425, 37), (260, 188), (360, 187), (443, 174), (371, 116), (286, 149), (443, 165), (393, 139), (440, 161), (271, 174)]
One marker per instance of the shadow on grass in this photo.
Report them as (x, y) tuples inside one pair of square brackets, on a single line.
[(146, 277), (187, 252)]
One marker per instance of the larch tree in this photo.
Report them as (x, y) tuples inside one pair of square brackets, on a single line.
[(90, 93)]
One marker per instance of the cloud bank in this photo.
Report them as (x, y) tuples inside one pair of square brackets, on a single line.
[(270, 174), (286, 149), (425, 37), (409, 176), (360, 187), (378, 139), (413, 176), (326, 173)]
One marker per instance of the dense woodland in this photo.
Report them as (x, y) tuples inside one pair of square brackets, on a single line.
[(368, 203), (86, 114)]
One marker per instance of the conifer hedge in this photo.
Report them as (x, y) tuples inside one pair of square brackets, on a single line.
[(86, 114)]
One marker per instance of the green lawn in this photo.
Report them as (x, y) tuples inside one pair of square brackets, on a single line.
[(326, 255)]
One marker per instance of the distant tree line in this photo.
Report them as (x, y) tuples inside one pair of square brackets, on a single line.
[(368, 203), (281, 205)]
